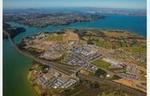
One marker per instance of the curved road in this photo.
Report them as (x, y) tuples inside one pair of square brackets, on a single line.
[(68, 69)]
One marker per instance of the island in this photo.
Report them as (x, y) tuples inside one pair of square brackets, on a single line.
[(87, 62), (12, 31)]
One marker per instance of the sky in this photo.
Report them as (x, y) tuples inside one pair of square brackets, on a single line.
[(130, 4)]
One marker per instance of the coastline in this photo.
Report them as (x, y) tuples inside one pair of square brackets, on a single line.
[(114, 34), (28, 31), (35, 88)]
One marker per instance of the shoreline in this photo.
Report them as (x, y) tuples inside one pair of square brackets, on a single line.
[(35, 88), (99, 28), (21, 33), (113, 33)]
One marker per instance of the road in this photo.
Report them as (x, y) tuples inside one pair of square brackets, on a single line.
[(67, 69), (113, 85), (87, 61)]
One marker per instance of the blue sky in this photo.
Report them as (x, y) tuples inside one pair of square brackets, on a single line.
[(131, 4)]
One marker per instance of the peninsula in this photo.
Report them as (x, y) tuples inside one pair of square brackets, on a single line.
[(12, 31), (87, 62), (45, 19)]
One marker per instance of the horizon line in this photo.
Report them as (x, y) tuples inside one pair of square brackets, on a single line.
[(72, 7)]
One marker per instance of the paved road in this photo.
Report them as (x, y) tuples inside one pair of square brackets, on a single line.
[(82, 58), (113, 85), (67, 69)]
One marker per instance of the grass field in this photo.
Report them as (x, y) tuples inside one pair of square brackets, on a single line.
[(100, 63), (55, 37)]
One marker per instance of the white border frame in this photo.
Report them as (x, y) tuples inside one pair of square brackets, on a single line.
[(1, 49), (148, 48)]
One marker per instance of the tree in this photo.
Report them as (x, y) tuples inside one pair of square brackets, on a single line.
[(100, 72)]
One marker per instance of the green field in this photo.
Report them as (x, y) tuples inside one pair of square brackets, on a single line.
[(100, 63), (55, 37)]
